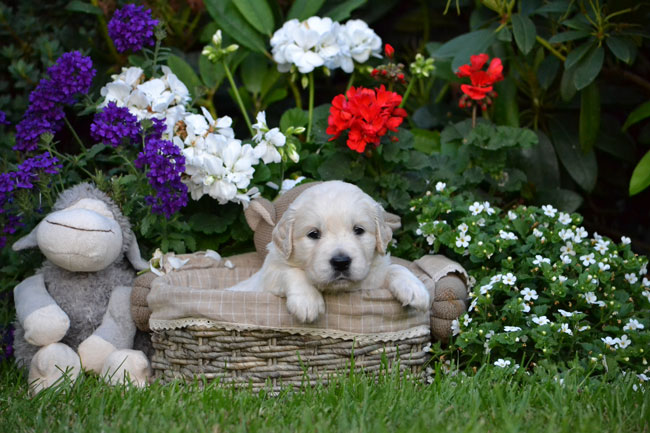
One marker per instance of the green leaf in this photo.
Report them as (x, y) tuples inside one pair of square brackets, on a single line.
[(624, 49), (639, 113), (524, 31), (211, 74), (567, 88), (640, 179), (563, 199), (462, 47), (293, 117), (185, 73), (506, 110), (303, 9), (582, 168), (336, 167), (228, 18), (209, 223), (93, 151), (426, 141), (343, 10), (86, 8), (540, 163), (258, 13), (589, 116), (571, 35), (614, 141), (253, 70), (577, 54), (547, 71), (588, 68), (262, 174), (578, 22)]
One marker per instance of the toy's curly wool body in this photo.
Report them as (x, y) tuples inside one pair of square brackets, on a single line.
[(83, 296)]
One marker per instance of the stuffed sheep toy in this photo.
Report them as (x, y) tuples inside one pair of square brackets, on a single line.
[(75, 312)]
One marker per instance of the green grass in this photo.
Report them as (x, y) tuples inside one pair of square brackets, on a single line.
[(488, 401)]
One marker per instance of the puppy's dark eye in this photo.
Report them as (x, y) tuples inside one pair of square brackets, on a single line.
[(314, 234), (358, 230)]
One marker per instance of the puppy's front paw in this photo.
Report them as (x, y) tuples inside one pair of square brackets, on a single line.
[(408, 289), (306, 307)]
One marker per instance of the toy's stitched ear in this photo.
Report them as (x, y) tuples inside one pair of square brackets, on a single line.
[(28, 241), (258, 210), (283, 233), (133, 254), (383, 231), (393, 221)]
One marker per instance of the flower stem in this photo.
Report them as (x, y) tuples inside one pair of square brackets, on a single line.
[(104, 28), (407, 92), (296, 94), (543, 42), (474, 116), (74, 133), (238, 97), (350, 82), (156, 51), (311, 105)]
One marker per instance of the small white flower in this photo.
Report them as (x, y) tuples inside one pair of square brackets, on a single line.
[(525, 308), (509, 236), (597, 237), (455, 327), (646, 293), (633, 325), (538, 233), (481, 222), (440, 186), (567, 313), (473, 304), (529, 294), (568, 249), (489, 209), (601, 246), (564, 218), (612, 342), (583, 328), (476, 208), (625, 240), (511, 328), (623, 342), (590, 298), (496, 278), (431, 239), (463, 240), (463, 228), (588, 259), (566, 234), (503, 363), (513, 216), (580, 234), (549, 210), (631, 278), (509, 279), (539, 260), (466, 320), (645, 282), (603, 266), (541, 321), (486, 288), (642, 377), (562, 279), (644, 270), (564, 327), (566, 259)]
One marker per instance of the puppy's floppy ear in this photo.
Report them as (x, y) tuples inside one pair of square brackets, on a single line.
[(383, 231), (283, 233)]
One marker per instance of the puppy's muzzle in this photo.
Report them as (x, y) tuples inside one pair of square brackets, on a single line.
[(341, 262)]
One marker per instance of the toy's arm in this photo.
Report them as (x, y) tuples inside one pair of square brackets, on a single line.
[(43, 320), (116, 331)]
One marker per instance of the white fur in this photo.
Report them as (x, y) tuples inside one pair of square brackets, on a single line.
[(46, 325), (299, 267)]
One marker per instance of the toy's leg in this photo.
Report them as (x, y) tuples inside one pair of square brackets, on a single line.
[(127, 366), (116, 332), (43, 321), (50, 364)]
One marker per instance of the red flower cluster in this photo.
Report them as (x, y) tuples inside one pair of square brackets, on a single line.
[(368, 114), (482, 81)]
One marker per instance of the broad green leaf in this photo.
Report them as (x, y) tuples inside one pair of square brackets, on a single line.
[(293, 117), (540, 163), (563, 199), (640, 179), (258, 14), (80, 6), (319, 125), (262, 174), (228, 18), (571, 35), (567, 88), (639, 113), (506, 110), (185, 73), (556, 7), (426, 141), (303, 9), (211, 74), (589, 116), (624, 49), (253, 70), (504, 35), (462, 47), (614, 141), (578, 22), (210, 223), (547, 71), (588, 68), (524, 31), (582, 168), (277, 94), (336, 167), (342, 11), (577, 54)]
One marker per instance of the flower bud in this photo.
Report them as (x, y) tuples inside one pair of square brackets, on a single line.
[(216, 38)]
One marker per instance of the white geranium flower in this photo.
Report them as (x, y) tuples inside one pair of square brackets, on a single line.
[(513, 216), (623, 342), (356, 41), (626, 240), (564, 327), (476, 208), (529, 294), (539, 260), (633, 325), (541, 321), (549, 210), (631, 278), (440, 186), (588, 259), (288, 184), (503, 363), (564, 218)]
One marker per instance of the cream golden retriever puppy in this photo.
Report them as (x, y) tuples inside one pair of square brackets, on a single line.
[(333, 238)]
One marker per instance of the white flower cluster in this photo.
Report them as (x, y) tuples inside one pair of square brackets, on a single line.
[(158, 98), (320, 41), (216, 163)]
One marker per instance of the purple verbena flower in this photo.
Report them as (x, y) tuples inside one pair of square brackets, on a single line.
[(72, 73), (131, 28), (115, 125), (29, 170), (3, 118)]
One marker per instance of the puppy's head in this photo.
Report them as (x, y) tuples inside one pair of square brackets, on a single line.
[(333, 231)]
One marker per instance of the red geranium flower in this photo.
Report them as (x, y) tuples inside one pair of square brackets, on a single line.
[(368, 114), (482, 81)]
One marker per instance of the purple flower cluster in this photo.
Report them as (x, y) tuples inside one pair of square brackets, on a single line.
[(166, 165), (131, 28), (71, 75), (115, 125), (3, 118), (6, 342)]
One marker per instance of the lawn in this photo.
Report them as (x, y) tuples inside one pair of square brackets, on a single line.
[(490, 401)]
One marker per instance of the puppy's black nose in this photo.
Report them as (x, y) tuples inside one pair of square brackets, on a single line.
[(341, 262)]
